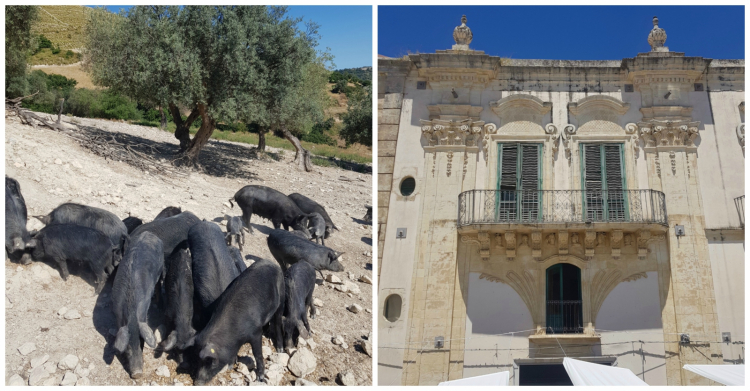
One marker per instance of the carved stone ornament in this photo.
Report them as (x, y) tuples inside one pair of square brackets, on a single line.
[(632, 130), (450, 162), (567, 139), (536, 244), (668, 133), (552, 137), (616, 243), (466, 133), (672, 160), (498, 240), (469, 239), (510, 244), (490, 278), (643, 237), (487, 131), (741, 135), (462, 34), (590, 242), (658, 165), (636, 276), (484, 245), (563, 242), (657, 37)]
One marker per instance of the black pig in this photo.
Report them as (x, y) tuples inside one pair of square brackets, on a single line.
[(299, 284), (234, 230), (213, 267), (288, 249), (68, 242), (168, 212), (133, 287), (251, 301), (309, 206), (171, 230), (16, 235), (272, 205), (89, 216), (179, 293)]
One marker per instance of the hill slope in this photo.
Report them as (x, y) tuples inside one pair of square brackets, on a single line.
[(64, 25)]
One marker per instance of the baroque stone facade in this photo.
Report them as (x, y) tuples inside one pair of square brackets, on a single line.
[(655, 257)]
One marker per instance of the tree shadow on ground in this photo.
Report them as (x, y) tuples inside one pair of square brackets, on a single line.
[(217, 158)]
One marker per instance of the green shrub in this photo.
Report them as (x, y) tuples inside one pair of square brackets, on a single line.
[(115, 106), (69, 54), (317, 134), (56, 49), (44, 43), (82, 101)]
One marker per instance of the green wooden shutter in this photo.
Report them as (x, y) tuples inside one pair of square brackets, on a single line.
[(507, 184), (593, 181), (615, 181), (530, 181)]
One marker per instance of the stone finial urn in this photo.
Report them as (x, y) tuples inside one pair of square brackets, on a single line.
[(462, 35), (657, 37)]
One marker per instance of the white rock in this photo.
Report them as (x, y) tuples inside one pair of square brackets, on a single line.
[(162, 371), (347, 378), (280, 358), (178, 383), (58, 161), (301, 342), (72, 314), (365, 279), (266, 352), (337, 340), (68, 362), (352, 287), (26, 348), (160, 332), (225, 203), (317, 302), (37, 361), (303, 382), (50, 367), (52, 381), (62, 311), (342, 288), (242, 368), (312, 344), (16, 380), (273, 378), (302, 362), (367, 347), (83, 382), (37, 375), (69, 379), (355, 308), (81, 371), (333, 279)]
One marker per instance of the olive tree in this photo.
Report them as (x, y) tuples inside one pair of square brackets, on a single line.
[(358, 118), (18, 46), (199, 59)]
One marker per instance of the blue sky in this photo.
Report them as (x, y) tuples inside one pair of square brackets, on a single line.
[(347, 30), (564, 32)]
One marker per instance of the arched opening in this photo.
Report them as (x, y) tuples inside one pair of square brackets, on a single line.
[(564, 305), (392, 310)]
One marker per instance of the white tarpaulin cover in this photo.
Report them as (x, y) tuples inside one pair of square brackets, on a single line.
[(584, 373), (730, 375), (493, 379)]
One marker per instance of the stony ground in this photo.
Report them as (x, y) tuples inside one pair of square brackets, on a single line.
[(59, 332)]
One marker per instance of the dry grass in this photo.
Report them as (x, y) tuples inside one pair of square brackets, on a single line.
[(64, 25), (70, 71)]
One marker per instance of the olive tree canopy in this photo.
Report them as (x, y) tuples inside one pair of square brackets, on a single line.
[(18, 45), (211, 60)]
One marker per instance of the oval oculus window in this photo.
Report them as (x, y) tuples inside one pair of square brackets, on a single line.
[(392, 309), (407, 186)]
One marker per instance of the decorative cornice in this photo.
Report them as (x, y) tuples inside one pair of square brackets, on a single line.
[(452, 112)]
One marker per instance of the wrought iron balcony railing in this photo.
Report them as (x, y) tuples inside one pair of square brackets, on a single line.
[(561, 206), (739, 202), (564, 317)]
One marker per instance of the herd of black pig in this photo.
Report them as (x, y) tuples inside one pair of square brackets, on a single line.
[(213, 302)]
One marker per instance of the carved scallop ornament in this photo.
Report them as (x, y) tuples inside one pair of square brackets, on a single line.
[(520, 107), (599, 113)]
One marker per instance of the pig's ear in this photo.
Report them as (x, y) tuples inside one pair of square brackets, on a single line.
[(43, 219), (147, 334), (170, 342), (31, 243), (121, 341), (302, 330)]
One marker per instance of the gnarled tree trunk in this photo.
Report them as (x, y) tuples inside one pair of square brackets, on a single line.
[(262, 139), (163, 123), (208, 125), (182, 132), (302, 157)]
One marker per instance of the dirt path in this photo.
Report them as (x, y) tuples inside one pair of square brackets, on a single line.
[(53, 169)]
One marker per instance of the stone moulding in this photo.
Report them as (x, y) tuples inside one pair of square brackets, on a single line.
[(597, 102), (567, 140), (536, 244), (510, 245), (553, 136), (520, 107), (590, 242), (448, 112), (616, 243), (484, 245), (563, 242), (463, 133), (643, 237)]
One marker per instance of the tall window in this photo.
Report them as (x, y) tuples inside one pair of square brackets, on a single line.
[(603, 179), (519, 180), (564, 306)]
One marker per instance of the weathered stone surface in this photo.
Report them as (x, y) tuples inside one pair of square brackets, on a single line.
[(302, 362), (69, 379), (347, 378), (280, 358), (16, 380), (68, 362), (37, 376), (37, 361), (26, 348), (162, 371)]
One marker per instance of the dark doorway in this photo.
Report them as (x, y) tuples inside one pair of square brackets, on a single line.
[(564, 312), (545, 375)]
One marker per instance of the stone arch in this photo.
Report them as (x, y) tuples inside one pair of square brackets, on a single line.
[(520, 108), (571, 259), (604, 282)]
